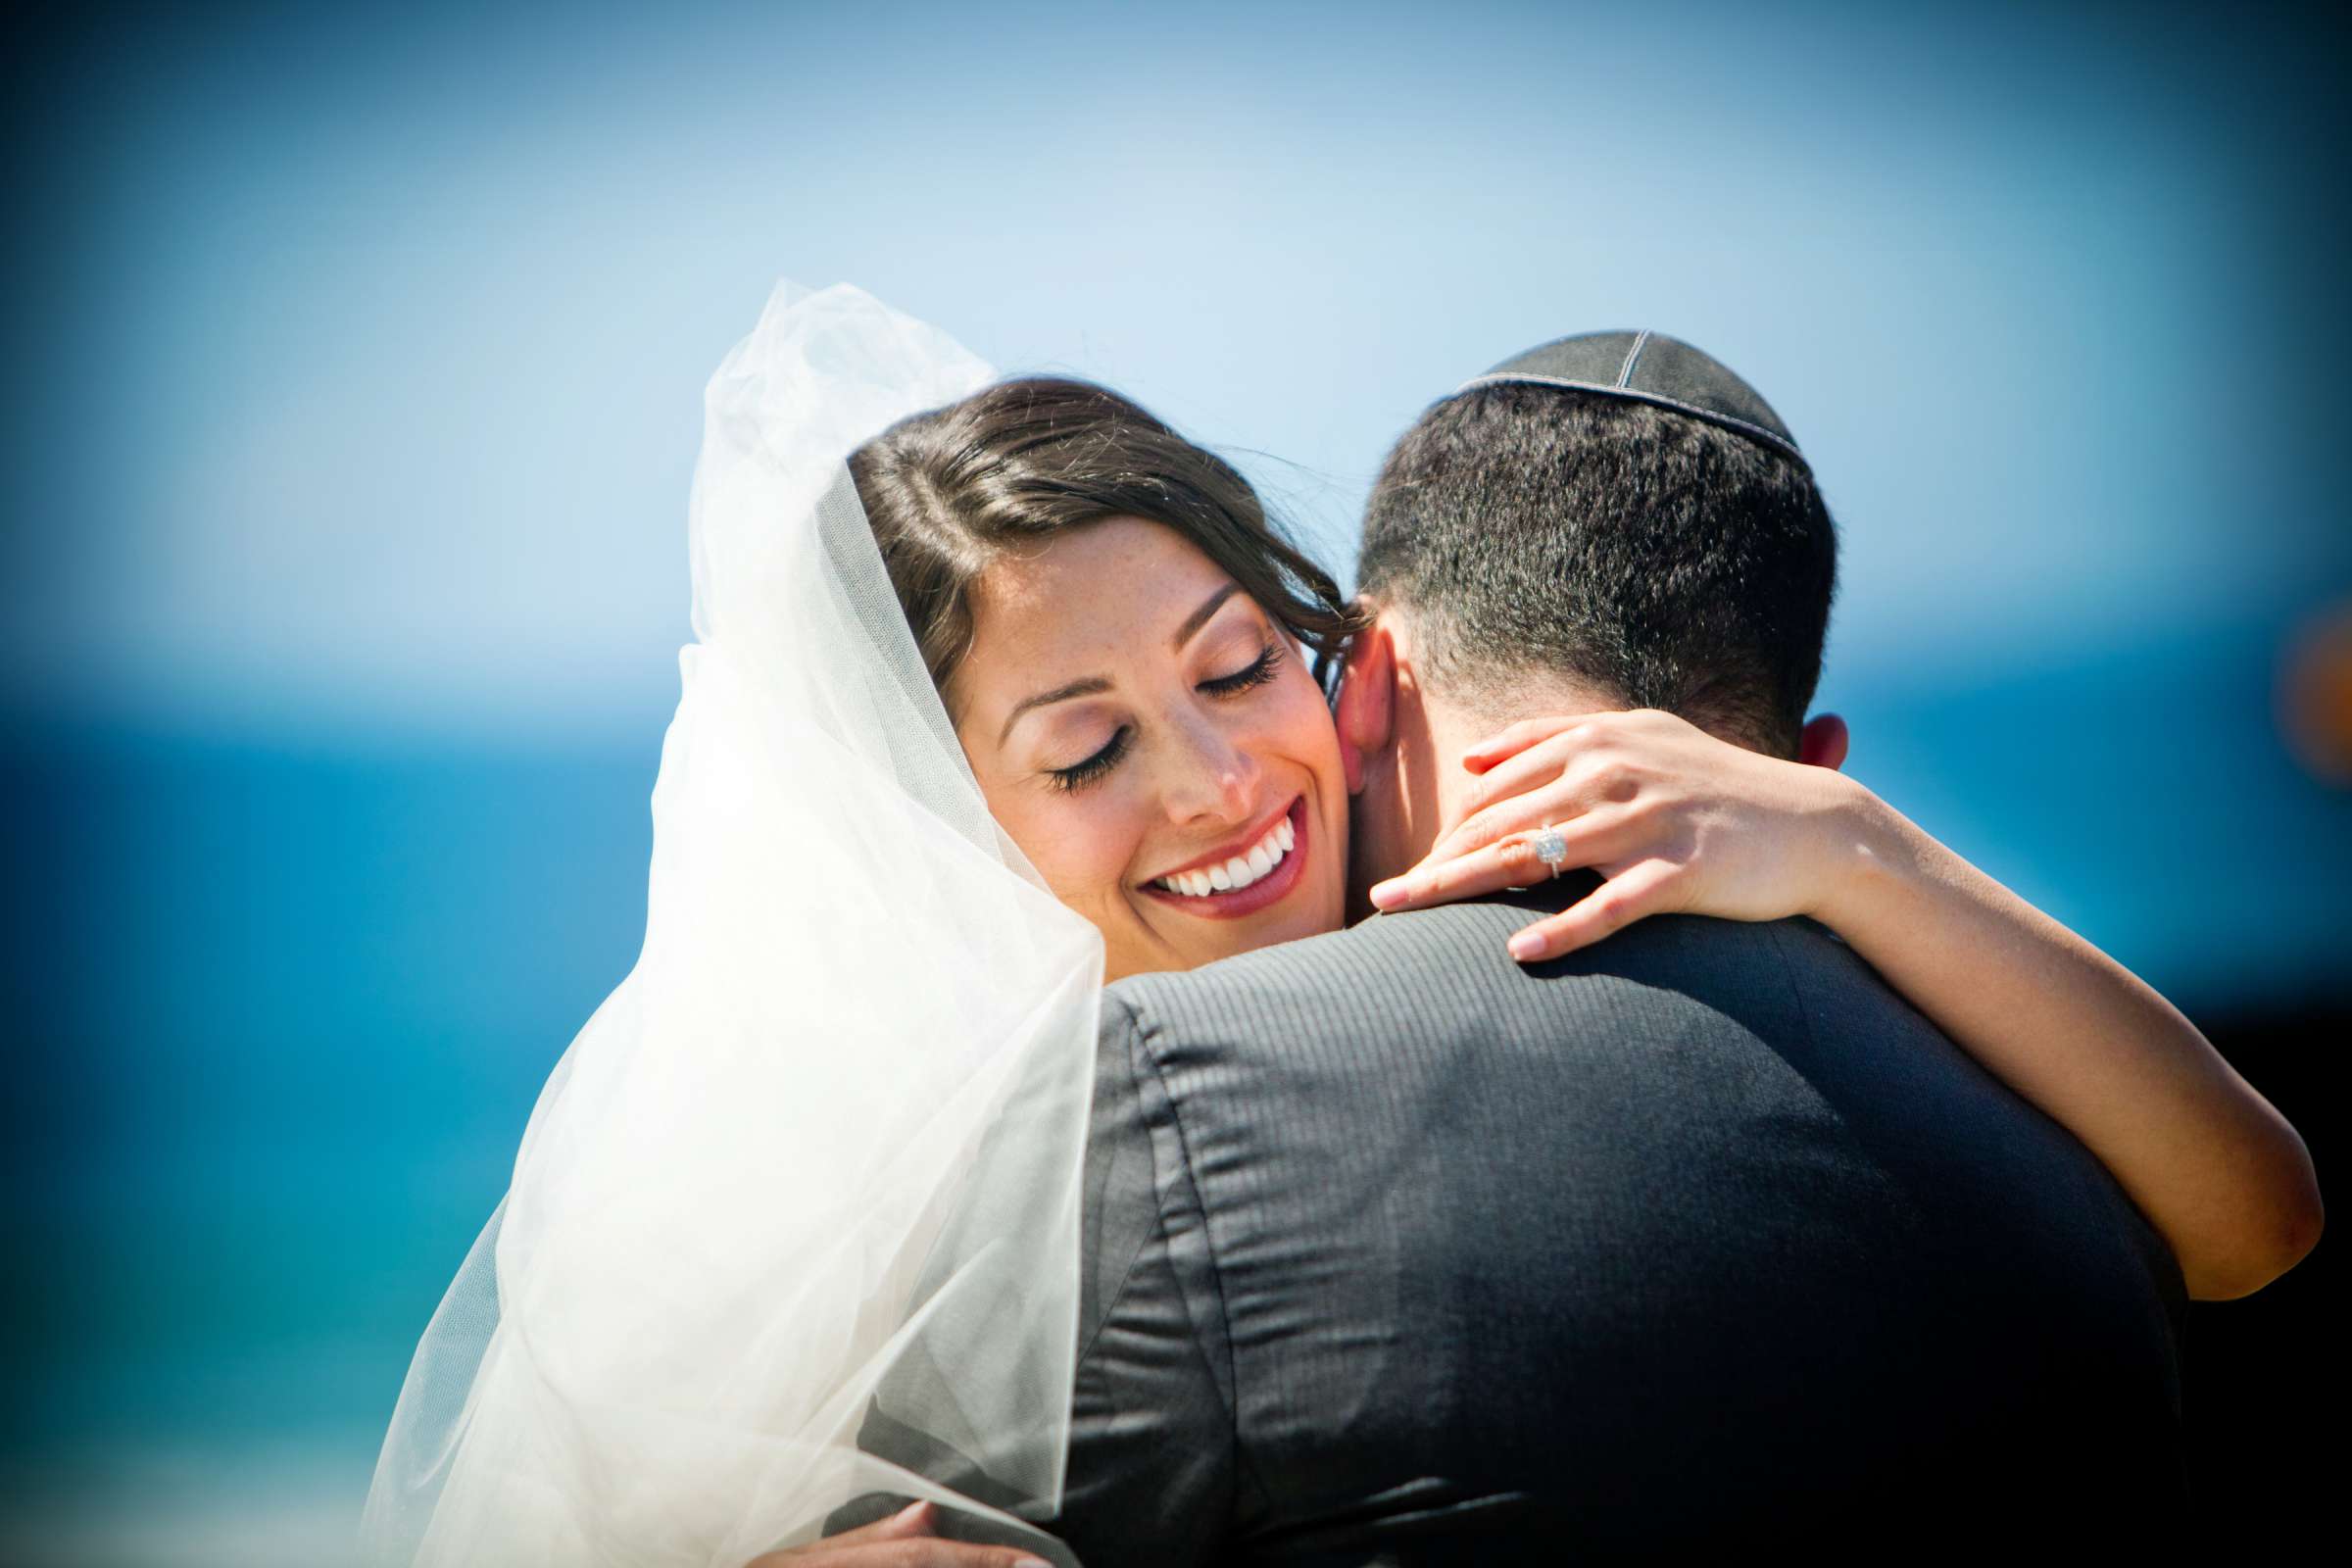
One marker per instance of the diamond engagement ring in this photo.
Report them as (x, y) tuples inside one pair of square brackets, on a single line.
[(1551, 847)]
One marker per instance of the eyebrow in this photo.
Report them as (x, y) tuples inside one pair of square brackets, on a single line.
[(1096, 685), (1200, 618), (1091, 686)]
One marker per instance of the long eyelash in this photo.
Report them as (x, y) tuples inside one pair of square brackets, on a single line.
[(1078, 775), (1258, 673)]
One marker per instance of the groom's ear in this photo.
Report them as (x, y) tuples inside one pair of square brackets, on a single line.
[(1366, 710), (1823, 743)]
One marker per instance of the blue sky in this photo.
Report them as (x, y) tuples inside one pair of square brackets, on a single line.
[(367, 343)]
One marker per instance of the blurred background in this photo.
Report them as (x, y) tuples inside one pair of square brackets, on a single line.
[(354, 367)]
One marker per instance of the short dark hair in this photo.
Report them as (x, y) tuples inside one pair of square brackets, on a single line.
[(950, 491), (1529, 529)]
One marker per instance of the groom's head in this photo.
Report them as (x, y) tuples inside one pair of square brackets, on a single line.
[(1611, 520)]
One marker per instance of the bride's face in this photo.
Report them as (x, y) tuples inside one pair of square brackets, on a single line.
[(1154, 742)]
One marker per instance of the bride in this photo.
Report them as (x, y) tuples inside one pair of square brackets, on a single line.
[(815, 1162)]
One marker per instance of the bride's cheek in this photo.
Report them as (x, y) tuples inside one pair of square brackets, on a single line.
[(1094, 844)]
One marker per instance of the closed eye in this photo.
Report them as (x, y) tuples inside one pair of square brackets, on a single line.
[(1078, 775), (1257, 672)]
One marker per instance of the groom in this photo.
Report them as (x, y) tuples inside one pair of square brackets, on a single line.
[(1401, 1251)]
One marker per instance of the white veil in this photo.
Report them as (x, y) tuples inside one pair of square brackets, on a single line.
[(817, 1158)]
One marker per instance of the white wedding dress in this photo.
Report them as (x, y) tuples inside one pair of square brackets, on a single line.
[(818, 1156)]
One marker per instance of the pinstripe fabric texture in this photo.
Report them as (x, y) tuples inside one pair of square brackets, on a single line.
[(1400, 1253)]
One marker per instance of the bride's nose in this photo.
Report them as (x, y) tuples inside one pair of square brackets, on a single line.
[(1211, 778)]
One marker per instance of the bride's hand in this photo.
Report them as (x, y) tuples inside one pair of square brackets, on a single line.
[(1675, 820), (908, 1539)]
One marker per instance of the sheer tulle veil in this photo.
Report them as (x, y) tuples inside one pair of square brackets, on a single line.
[(817, 1159)]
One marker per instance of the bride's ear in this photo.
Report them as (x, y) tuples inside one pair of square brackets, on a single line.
[(1366, 710), (1823, 743)]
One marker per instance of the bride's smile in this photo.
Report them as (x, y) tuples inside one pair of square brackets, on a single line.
[(1253, 874), (1156, 744)]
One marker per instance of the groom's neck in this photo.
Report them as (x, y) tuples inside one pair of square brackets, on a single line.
[(1431, 791), (1448, 731)]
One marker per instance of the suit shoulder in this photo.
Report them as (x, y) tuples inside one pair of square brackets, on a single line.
[(1451, 965), (1369, 958), (1448, 962)]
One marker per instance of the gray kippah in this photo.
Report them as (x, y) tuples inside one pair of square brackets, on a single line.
[(1648, 367)]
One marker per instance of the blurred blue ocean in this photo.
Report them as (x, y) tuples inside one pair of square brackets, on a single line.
[(356, 378)]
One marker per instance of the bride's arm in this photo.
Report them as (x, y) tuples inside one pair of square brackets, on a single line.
[(1679, 821)]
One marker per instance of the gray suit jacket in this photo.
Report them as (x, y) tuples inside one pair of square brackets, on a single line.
[(1398, 1253)]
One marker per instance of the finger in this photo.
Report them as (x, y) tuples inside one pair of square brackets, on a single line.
[(918, 1518), (1537, 788), (935, 1553), (1511, 863), (1557, 802), (1517, 738), (1641, 889), (1515, 778), (930, 1553)]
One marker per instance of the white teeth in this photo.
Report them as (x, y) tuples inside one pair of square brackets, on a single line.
[(1240, 871)]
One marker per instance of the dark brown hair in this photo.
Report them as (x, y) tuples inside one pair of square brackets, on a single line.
[(1533, 529), (951, 491)]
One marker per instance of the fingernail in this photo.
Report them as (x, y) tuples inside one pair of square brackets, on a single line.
[(1527, 944), (1390, 894), (1031, 1562)]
